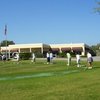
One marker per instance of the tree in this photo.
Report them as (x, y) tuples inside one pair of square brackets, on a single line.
[(97, 9), (96, 48), (6, 43)]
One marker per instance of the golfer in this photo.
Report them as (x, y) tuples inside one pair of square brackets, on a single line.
[(48, 57), (33, 57), (89, 60), (51, 57), (68, 59), (78, 59)]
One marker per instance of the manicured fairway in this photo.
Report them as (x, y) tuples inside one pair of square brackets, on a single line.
[(29, 81)]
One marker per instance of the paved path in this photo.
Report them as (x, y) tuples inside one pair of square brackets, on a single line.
[(96, 58)]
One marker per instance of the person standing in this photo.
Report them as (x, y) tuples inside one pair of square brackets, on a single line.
[(17, 57), (48, 57), (68, 58), (51, 57), (33, 57), (78, 59), (89, 60), (3, 57)]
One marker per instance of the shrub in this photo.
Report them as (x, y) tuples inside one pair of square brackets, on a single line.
[(63, 54), (25, 56), (38, 55)]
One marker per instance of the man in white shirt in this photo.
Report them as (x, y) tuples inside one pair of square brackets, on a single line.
[(51, 57), (17, 56), (33, 57), (90, 60), (68, 59), (78, 59), (48, 57)]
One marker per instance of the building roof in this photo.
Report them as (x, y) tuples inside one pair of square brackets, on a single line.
[(34, 45)]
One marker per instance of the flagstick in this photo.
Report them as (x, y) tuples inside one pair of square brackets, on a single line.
[(6, 47), (6, 40)]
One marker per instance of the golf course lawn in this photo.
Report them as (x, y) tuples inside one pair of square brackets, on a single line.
[(41, 81)]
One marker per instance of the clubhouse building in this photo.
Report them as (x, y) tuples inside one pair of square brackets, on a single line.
[(44, 48)]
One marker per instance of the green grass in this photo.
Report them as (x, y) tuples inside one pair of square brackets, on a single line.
[(81, 85)]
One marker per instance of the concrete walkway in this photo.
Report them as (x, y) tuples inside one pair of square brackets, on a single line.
[(96, 58)]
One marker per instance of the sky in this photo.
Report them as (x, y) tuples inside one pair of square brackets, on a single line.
[(50, 21)]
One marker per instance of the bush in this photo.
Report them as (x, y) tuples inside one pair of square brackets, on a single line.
[(25, 56), (38, 55), (63, 54)]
